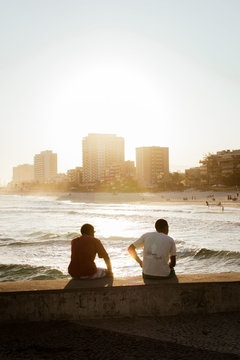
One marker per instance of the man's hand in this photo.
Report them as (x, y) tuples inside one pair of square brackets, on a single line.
[(110, 274)]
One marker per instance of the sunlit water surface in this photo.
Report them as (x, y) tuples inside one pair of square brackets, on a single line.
[(36, 232)]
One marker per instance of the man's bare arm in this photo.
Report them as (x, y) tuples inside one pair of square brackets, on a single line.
[(172, 262), (134, 255), (108, 264)]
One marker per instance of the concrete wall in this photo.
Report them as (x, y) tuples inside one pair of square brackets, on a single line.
[(73, 300)]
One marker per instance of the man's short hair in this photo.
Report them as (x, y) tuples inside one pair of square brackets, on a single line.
[(86, 229), (161, 224)]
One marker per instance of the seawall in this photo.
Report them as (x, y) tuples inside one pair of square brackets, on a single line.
[(121, 297)]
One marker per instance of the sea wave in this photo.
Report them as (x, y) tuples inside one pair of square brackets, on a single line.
[(73, 212), (46, 236), (60, 241), (6, 239), (38, 238), (128, 240), (203, 254), (36, 243), (43, 235), (18, 272)]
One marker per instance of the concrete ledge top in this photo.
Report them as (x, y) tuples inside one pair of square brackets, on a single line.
[(45, 285)]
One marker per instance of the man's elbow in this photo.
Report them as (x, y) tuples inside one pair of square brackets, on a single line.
[(131, 249), (106, 258)]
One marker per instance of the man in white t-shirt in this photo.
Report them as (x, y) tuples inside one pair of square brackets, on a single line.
[(159, 252)]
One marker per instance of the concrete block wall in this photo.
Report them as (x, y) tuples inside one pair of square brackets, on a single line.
[(74, 300)]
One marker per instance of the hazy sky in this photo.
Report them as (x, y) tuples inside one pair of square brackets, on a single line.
[(156, 72)]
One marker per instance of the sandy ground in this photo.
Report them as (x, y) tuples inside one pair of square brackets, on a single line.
[(214, 198), (187, 197)]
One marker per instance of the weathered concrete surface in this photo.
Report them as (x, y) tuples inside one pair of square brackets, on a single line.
[(38, 285), (76, 300)]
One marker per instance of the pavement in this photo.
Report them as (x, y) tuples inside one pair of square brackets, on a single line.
[(198, 336)]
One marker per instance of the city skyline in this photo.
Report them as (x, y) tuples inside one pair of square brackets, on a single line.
[(98, 149), (156, 73), (114, 136)]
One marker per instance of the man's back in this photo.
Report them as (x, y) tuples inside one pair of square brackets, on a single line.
[(84, 250), (159, 252), (157, 249)]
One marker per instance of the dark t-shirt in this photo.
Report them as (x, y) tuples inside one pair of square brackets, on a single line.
[(83, 253)]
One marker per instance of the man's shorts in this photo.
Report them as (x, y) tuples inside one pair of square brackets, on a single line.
[(172, 273), (98, 275)]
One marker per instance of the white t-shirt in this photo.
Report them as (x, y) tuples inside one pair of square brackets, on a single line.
[(158, 247)]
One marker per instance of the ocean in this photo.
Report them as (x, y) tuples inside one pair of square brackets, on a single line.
[(36, 234)]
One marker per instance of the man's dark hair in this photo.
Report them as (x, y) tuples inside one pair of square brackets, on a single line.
[(86, 229), (161, 224)]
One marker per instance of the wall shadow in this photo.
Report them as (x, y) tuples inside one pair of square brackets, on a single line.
[(172, 280), (83, 284)]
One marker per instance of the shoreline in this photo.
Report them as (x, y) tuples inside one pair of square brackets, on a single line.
[(187, 197), (218, 200)]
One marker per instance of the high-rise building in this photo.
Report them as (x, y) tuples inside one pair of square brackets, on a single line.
[(152, 165), (100, 152), (75, 175), (23, 174), (45, 166), (222, 167)]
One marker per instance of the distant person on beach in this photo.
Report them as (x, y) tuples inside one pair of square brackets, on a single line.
[(83, 252), (159, 252)]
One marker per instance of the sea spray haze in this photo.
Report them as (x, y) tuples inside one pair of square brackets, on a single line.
[(36, 232)]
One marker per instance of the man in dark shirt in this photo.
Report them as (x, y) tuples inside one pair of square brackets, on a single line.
[(83, 252)]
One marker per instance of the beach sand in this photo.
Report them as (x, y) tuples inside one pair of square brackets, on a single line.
[(190, 196), (219, 198)]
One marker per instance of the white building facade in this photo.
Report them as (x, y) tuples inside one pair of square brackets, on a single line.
[(23, 174), (100, 153), (45, 166), (152, 165)]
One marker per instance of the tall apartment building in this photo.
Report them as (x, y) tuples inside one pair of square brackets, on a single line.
[(45, 166), (23, 174), (100, 153), (75, 175), (229, 161), (217, 168), (152, 165)]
